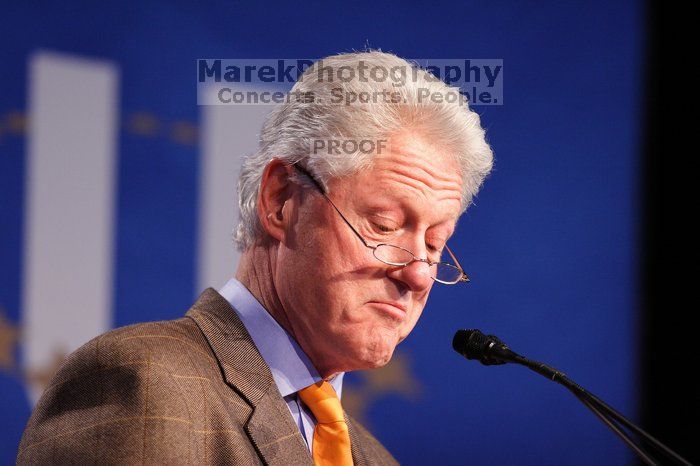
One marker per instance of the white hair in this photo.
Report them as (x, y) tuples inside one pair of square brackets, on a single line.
[(289, 130)]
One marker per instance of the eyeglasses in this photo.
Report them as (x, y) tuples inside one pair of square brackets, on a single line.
[(441, 272)]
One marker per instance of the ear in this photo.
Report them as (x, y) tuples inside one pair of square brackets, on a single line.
[(275, 190)]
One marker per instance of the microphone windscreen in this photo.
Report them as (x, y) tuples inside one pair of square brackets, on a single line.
[(470, 343)]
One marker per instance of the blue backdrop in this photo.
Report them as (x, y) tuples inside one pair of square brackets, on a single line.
[(551, 244)]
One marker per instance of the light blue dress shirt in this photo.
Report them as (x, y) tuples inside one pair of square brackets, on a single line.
[(290, 366)]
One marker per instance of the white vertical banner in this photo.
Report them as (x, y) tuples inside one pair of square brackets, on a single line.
[(70, 184), (228, 134)]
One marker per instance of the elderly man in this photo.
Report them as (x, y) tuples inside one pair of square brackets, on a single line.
[(339, 253)]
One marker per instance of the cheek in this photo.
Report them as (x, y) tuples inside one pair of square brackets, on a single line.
[(352, 315), (324, 298)]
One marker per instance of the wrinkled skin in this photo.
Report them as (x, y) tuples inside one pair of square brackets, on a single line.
[(347, 310)]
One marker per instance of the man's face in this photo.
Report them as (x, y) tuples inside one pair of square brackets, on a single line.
[(348, 310)]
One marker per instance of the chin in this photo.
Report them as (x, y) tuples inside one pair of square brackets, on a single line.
[(377, 363), (377, 356), (368, 347)]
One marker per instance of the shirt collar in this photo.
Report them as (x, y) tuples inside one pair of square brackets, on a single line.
[(290, 366)]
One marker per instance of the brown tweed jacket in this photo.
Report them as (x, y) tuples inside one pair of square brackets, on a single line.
[(189, 391)]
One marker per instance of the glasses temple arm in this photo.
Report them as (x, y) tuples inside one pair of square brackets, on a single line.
[(348, 223), (454, 258), (304, 172)]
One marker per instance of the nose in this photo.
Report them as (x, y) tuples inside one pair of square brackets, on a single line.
[(416, 275)]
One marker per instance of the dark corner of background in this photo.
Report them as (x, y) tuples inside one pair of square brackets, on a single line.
[(669, 263)]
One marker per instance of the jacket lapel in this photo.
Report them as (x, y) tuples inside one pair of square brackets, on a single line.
[(358, 454), (270, 427), (366, 450)]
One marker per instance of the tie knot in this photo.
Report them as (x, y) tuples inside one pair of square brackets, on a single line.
[(323, 402)]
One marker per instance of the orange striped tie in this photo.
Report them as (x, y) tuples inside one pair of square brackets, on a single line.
[(331, 445)]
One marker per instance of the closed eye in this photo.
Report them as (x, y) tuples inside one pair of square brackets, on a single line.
[(384, 228)]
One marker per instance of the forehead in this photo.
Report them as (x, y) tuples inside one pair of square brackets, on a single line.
[(410, 175)]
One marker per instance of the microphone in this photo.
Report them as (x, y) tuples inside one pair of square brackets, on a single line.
[(490, 350)]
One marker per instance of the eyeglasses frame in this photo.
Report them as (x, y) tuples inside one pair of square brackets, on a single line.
[(464, 277)]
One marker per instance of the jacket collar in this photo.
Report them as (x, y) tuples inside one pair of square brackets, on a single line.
[(270, 426)]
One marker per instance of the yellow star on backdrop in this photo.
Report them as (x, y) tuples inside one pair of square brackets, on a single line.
[(9, 336), (143, 124), (394, 378)]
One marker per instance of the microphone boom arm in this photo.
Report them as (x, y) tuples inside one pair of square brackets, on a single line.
[(489, 350)]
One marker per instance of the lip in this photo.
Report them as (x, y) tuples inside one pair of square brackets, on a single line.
[(396, 309)]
